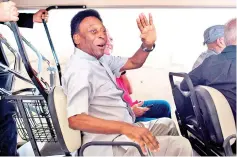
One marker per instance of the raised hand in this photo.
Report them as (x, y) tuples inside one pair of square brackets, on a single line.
[(147, 29), (39, 15), (8, 12)]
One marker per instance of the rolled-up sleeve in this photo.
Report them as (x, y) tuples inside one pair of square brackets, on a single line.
[(77, 88), (115, 63)]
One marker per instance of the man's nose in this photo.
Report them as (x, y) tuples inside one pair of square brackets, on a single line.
[(102, 35)]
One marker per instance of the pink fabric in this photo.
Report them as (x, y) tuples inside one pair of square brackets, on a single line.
[(109, 44), (108, 50), (126, 95)]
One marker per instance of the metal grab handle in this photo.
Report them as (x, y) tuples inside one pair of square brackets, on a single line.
[(53, 51), (107, 143), (39, 55), (185, 76), (21, 50), (17, 65), (194, 100), (226, 145), (17, 74)]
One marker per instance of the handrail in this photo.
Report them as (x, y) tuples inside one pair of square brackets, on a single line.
[(25, 60), (17, 65), (40, 56), (53, 51)]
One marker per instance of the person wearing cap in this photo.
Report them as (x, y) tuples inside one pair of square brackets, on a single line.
[(219, 71), (214, 39)]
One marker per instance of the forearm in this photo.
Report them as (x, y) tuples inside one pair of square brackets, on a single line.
[(139, 58), (92, 124)]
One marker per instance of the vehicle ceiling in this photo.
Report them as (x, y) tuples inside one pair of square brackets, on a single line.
[(36, 4)]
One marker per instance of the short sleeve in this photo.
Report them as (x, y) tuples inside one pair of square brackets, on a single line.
[(77, 88), (115, 63)]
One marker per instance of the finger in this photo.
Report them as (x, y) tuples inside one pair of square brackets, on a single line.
[(140, 112), (145, 19), (150, 19), (43, 16), (143, 109), (14, 9), (46, 19), (143, 112), (14, 18), (139, 25), (46, 13), (148, 143), (140, 104), (11, 3), (146, 109), (142, 145), (15, 13), (153, 141), (142, 20)]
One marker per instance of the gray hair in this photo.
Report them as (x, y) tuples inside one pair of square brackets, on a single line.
[(230, 32)]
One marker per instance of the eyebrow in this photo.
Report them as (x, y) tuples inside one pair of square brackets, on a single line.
[(96, 25)]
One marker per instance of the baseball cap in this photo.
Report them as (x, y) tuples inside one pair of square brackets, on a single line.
[(212, 33)]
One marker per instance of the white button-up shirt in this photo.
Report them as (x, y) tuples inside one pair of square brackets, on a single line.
[(91, 88)]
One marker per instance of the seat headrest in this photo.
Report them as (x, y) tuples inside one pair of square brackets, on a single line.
[(217, 114), (69, 139)]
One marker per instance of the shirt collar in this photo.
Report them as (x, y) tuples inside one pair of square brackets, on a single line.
[(230, 51), (211, 51), (84, 55)]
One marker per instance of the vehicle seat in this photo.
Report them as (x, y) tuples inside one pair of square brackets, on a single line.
[(69, 139), (204, 117), (217, 115)]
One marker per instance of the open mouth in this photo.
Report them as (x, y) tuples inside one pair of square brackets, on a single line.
[(101, 46)]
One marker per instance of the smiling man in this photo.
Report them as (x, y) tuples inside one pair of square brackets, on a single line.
[(95, 104)]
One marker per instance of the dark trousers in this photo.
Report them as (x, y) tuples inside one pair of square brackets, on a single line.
[(161, 108), (8, 136)]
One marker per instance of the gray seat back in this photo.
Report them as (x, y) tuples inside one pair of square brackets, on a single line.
[(216, 112)]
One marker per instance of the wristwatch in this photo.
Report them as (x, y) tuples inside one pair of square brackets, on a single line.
[(148, 50)]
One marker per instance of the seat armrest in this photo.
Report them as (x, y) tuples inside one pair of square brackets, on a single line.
[(108, 143), (227, 146)]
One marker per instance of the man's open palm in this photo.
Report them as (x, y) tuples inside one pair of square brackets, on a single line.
[(147, 29)]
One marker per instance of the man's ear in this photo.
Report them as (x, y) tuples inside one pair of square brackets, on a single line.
[(221, 42), (76, 38)]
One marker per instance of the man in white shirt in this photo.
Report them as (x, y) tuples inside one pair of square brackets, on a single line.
[(95, 103)]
